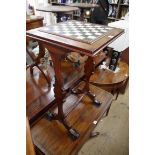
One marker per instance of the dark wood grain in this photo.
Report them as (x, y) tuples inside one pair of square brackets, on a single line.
[(52, 138)]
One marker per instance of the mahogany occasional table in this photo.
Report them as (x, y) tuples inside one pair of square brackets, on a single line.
[(84, 38), (110, 81), (58, 10)]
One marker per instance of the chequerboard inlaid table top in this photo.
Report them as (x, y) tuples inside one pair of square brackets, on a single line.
[(81, 31), (86, 38)]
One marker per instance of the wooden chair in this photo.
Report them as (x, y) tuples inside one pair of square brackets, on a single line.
[(32, 23)]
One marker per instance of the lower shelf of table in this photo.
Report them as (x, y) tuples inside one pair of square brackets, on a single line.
[(52, 137), (39, 97)]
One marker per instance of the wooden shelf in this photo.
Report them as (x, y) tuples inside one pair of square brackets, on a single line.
[(120, 10), (52, 138), (76, 15)]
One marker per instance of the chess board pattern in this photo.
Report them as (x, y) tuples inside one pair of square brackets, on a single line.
[(76, 30)]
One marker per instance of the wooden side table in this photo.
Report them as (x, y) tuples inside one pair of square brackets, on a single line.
[(110, 81), (83, 7), (59, 42)]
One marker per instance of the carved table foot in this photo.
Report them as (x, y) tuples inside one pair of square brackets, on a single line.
[(89, 94), (93, 98), (73, 134)]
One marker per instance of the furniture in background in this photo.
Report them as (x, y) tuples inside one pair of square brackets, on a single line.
[(117, 81), (60, 11), (117, 9), (58, 43), (111, 81), (31, 23)]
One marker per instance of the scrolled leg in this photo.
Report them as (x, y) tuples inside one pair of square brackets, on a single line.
[(73, 134), (89, 69)]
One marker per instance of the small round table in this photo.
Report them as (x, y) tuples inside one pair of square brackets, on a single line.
[(83, 6), (110, 81), (59, 10)]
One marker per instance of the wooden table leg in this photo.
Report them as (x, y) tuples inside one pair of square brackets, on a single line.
[(36, 62), (59, 96), (88, 70)]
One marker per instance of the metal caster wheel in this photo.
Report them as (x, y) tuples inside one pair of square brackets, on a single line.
[(97, 103), (49, 115), (74, 134)]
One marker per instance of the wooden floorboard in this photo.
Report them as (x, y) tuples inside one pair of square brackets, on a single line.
[(52, 138)]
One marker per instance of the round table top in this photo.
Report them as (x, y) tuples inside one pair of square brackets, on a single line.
[(83, 5), (102, 77), (56, 9)]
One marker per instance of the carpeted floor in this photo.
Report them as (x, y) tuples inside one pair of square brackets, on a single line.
[(114, 131)]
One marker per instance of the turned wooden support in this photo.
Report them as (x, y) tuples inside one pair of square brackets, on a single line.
[(58, 83), (56, 55)]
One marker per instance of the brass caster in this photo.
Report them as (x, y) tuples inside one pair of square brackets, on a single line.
[(73, 134)]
